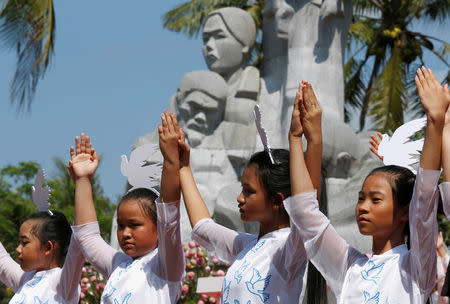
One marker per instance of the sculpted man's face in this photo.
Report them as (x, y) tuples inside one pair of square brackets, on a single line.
[(199, 116), (281, 12), (223, 53)]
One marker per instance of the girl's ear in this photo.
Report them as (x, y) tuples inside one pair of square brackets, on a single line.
[(404, 213), (49, 248), (278, 199)]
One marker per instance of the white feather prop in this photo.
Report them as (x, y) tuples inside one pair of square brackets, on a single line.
[(40, 193), (262, 132), (401, 149), (140, 174)]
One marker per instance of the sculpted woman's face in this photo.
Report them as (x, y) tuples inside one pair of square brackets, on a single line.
[(223, 53)]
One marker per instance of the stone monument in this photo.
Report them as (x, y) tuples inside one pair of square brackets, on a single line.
[(301, 40)]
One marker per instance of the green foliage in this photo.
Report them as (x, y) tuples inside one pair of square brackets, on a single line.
[(16, 202), (392, 52), (28, 27)]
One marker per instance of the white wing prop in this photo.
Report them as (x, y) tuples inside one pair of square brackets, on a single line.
[(262, 132), (40, 193), (139, 173), (402, 149)]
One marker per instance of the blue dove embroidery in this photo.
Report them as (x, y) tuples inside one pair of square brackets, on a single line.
[(373, 273), (238, 273), (258, 246), (258, 285), (108, 292), (225, 292), (38, 301), (34, 281), (237, 302), (22, 299), (371, 300), (125, 300)]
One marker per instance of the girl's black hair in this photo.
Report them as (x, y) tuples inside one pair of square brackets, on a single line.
[(402, 182), (146, 199), (275, 178), (54, 228)]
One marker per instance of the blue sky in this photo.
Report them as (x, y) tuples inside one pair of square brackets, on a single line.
[(113, 72)]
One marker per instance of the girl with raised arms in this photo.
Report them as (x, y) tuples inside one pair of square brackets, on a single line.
[(151, 266), (268, 267), (50, 261), (391, 200)]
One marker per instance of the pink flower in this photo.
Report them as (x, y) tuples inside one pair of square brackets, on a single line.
[(200, 261), (184, 289), (212, 300), (82, 295), (220, 273), (193, 262), (207, 269), (197, 244), (200, 302), (190, 275), (215, 260), (191, 244), (93, 278), (89, 270), (204, 297), (84, 280)]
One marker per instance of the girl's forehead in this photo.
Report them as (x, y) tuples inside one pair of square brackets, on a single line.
[(377, 181), (130, 208)]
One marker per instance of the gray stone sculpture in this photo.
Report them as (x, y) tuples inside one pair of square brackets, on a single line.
[(301, 40)]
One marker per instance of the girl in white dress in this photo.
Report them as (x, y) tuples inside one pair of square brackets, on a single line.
[(268, 267), (50, 262), (390, 198), (151, 267)]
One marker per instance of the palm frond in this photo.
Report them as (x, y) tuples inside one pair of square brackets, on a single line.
[(28, 26), (389, 97), (437, 10), (367, 7), (354, 86)]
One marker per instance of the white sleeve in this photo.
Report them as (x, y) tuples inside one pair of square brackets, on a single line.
[(71, 271), (325, 248), (170, 250), (104, 258), (223, 242), (424, 229), (445, 195), (292, 256), (10, 272)]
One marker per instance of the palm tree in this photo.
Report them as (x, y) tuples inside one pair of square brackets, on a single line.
[(28, 26), (385, 53)]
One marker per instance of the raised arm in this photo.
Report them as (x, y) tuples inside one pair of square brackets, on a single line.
[(169, 238), (324, 247), (423, 206), (193, 201), (445, 186), (432, 97), (300, 178), (311, 119), (10, 271), (82, 167)]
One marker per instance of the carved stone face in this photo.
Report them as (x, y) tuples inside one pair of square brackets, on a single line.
[(199, 116), (223, 53), (281, 12)]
